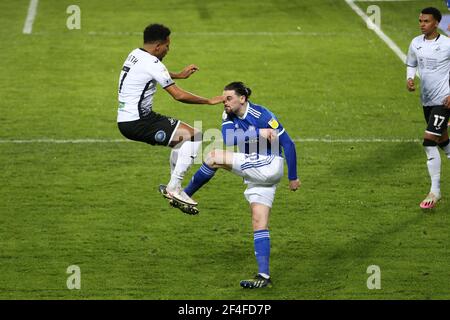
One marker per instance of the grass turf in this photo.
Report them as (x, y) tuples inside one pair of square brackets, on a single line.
[(96, 205)]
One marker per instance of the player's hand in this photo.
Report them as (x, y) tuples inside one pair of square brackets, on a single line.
[(447, 102), (294, 184), (216, 100), (410, 85), (188, 71), (268, 134)]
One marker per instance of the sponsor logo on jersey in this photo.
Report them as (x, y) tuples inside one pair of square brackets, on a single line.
[(273, 123), (121, 105), (160, 136), (172, 121)]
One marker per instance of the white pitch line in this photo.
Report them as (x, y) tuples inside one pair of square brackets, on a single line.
[(391, 44), (32, 9), (320, 140)]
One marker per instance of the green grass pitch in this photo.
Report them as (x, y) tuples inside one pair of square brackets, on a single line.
[(315, 64)]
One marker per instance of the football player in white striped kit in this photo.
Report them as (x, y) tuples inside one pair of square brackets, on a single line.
[(141, 72), (429, 53)]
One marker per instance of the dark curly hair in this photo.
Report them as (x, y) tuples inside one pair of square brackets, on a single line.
[(433, 11), (156, 32), (240, 88)]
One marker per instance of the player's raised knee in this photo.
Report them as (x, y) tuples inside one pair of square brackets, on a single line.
[(197, 136), (210, 159)]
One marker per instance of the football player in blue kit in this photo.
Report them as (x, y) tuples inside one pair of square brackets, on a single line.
[(260, 139)]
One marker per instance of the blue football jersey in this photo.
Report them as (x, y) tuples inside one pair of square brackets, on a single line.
[(245, 131)]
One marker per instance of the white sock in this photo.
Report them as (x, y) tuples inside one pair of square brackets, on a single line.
[(173, 159), (186, 155), (447, 150), (434, 168)]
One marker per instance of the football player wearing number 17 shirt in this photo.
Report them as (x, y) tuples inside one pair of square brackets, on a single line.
[(429, 53)]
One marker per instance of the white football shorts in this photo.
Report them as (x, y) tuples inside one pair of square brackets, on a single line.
[(261, 174)]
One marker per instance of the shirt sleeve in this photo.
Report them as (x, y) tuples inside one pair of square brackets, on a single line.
[(411, 58), (160, 73), (290, 154), (268, 120)]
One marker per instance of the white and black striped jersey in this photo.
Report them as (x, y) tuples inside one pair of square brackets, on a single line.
[(432, 58), (140, 73)]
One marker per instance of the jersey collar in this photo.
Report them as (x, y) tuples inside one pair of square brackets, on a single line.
[(246, 111), (438, 36)]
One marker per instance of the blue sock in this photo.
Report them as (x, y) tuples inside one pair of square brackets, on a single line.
[(202, 176), (262, 250)]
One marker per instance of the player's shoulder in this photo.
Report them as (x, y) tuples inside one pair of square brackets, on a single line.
[(147, 58), (261, 111), (445, 40), (257, 111), (266, 118), (418, 39)]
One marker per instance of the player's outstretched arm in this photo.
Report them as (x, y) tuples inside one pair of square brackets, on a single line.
[(186, 97), (185, 73)]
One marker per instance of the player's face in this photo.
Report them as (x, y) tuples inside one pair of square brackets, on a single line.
[(163, 48), (232, 102), (427, 23)]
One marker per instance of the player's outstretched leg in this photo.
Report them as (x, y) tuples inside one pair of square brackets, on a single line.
[(214, 160), (200, 178), (187, 141), (258, 281)]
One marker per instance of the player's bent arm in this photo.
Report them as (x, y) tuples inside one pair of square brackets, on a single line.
[(186, 97), (291, 155), (185, 73)]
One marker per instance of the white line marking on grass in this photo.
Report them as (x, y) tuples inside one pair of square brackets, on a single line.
[(358, 140), (61, 141), (32, 9), (391, 44), (319, 140)]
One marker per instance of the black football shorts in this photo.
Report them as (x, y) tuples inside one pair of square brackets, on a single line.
[(154, 129), (437, 119)]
